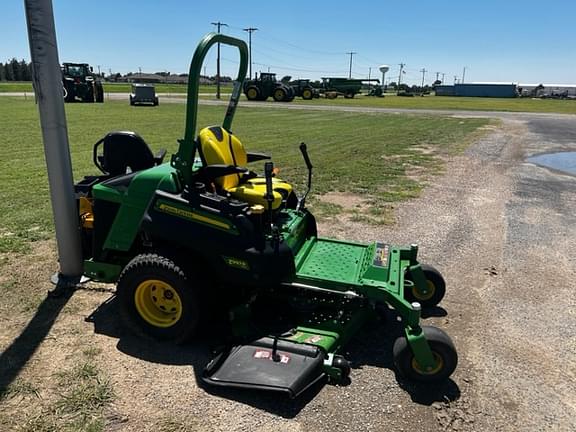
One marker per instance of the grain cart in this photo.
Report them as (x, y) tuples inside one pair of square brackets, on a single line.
[(81, 84), (207, 236), (266, 85)]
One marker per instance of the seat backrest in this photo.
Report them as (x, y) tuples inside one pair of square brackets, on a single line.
[(218, 146), (123, 149)]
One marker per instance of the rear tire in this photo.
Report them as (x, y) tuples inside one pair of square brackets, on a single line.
[(99, 93), (307, 94), (280, 95), (157, 298)]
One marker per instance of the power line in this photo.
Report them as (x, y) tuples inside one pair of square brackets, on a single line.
[(218, 24), (250, 30)]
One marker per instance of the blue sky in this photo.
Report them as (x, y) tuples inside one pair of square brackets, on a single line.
[(521, 41)]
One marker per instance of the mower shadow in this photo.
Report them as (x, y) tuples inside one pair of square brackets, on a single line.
[(106, 320), (374, 348)]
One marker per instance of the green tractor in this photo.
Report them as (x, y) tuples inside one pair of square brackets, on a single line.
[(81, 84), (304, 89), (266, 85), (205, 239)]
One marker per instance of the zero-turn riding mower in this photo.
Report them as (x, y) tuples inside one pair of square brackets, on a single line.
[(206, 233)]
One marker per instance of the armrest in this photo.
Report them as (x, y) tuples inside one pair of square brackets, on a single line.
[(160, 156), (253, 157), (218, 170)]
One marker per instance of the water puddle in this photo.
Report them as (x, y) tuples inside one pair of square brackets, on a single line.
[(562, 161)]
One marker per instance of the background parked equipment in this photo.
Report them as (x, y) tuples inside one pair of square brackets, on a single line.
[(81, 84), (143, 94), (347, 87), (304, 89), (266, 85)]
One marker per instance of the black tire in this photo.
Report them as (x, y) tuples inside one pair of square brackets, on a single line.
[(436, 288), (175, 315), (70, 94), (344, 366), (349, 95), (156, 101), (99, 92), (307, 94), (252, 93), (280, 94), (442, 348)]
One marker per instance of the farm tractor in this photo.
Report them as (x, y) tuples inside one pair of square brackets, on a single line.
[(266, 85), (302, 88), (204, 238), (81, 84)]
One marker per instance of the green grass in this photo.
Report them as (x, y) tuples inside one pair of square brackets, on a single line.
[(453, 103), (369, 154), (8, 87)]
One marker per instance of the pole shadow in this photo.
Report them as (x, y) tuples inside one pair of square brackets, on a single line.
[(16, 356)]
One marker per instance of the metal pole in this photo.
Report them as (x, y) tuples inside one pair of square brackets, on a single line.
[(350, 72), (47, 79), (218, 24), (400, 75), (423, 75), (463, 74), (250, 30)]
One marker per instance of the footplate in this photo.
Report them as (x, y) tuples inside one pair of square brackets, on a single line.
[(265, 364)]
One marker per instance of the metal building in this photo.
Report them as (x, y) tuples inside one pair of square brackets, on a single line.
[(496, 90)]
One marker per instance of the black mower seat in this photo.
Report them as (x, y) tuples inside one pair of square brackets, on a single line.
[(123, 151), (220, 147)]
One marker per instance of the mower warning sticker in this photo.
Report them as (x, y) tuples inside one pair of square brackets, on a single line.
[(267, 355), (381, 255), (314, 339)]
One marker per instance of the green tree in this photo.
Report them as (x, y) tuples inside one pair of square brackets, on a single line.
[(2, 72)]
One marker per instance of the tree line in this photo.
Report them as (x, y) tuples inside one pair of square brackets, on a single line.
[(15, 70)]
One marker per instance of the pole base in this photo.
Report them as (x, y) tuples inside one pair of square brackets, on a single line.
[(64, 283)]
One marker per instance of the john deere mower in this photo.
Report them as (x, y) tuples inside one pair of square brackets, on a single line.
[(205, 236)]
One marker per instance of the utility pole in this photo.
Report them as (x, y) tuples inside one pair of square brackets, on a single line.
[(400, 74), (463, 74), (443, 77), (423, 75), (455, 79), (140, 72), (369, 73), (250, 30), (351, 53), (218, 24), (437, 75), (98, 69)]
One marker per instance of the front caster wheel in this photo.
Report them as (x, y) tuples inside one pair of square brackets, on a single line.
[(443, 351), (157, 298), (434, 291)]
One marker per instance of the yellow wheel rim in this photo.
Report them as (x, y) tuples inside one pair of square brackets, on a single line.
[(158, 303), (279, 94), (439, 365), (252, 94), (424, 295), (307, 93)]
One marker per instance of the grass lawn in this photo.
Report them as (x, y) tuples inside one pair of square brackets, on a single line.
[(454, 103), (382, 158), (7, 87)]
